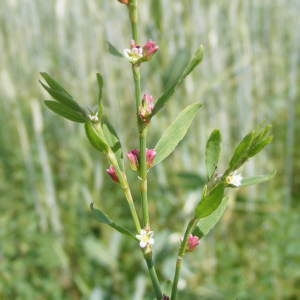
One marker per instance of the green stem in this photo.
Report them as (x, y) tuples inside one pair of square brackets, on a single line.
[(133, 15), (137, 86), (142, 129), (143, 177), (125, 186), (153, 275), (190, 227)]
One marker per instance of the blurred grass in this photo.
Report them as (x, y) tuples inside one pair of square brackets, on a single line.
[(50, 248)]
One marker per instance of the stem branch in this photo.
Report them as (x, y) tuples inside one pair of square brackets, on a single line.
[(125, 186), (190, 227), (153, 275)]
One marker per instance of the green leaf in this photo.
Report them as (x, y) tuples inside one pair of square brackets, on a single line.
[(261, 139), (175, 132), (195, 61), (100, 216), (54, 84), (206, 224), (100, 87), (95, 137), (176, 69), (182, 66), (174, 78), (210, 202), (257, 179), (113, 50), (212, 153), (123, 230), (104, 219), (240, 154), (65, 111), (62, 97), (251, 144)]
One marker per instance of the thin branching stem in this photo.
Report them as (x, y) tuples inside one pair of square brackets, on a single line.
[(126, 189), (190, 227)]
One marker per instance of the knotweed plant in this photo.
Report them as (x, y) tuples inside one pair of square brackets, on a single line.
[(104, 138)]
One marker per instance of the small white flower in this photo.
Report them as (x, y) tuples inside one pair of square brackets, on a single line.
[(94, 118), (146, 238), (234, 179), (133, 54)]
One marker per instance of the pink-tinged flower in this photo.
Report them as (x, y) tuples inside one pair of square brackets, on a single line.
[(149, 49), (135, 53), (133, 157), (150, 157), (111, 171), (193, 242), (124, 1), (146, 108)]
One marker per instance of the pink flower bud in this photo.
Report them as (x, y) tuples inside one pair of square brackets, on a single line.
[(149, 50), (146, 108), (133, 157), (124, 1), (193, 242), (111, 171), (150, 157)]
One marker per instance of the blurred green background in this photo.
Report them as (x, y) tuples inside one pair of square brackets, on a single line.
[(50, 248)]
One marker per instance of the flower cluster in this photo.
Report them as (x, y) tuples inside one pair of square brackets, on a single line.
[(134, 156), (137, 53), (146, 108)]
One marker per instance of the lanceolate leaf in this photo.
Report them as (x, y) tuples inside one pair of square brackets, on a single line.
[(176, 68), (257, 179), (183, 66), (210, 202), (113, 50), (65, 111), (62, 98), (261, 139), (206, 224), (54, 84), (174, 77), (251, 144), (100, 87), (100, 216), (60, 94), (240, 154), (212, 153), (104, 219), (175, 132), (195, 61)]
